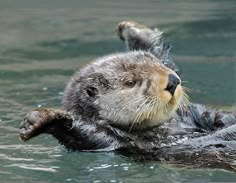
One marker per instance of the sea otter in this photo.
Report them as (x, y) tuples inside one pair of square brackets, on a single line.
[(134, 103)]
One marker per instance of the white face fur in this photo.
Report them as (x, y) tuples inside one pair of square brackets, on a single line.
[(139, 96)]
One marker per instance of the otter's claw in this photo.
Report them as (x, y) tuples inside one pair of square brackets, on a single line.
[(33, 123)]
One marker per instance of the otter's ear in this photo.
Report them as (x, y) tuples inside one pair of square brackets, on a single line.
[(91, 91)]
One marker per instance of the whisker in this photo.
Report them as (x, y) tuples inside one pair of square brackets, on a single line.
[(186, 89), (154, 107), (138, 115), (127, 105), (138, 110), (143, 109), (131, 102)]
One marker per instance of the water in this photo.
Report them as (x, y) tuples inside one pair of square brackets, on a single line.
[(40, 48)]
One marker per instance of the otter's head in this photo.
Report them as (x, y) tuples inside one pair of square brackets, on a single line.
[(132, 88)]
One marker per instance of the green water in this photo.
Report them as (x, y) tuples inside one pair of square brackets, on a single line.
[(40, 48)]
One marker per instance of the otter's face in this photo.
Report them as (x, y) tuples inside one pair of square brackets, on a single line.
[(128, 89)]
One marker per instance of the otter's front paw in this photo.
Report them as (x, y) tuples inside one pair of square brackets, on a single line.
[(34, 123), (127, 29)]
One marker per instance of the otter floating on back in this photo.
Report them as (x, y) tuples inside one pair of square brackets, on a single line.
[(133, 103)]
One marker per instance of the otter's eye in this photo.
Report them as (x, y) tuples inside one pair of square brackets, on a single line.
[(130, 83), (91, 91)]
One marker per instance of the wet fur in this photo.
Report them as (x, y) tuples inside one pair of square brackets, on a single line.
[(193, 134), (113, 101)]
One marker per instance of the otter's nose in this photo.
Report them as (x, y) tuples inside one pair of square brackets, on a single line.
[(173, 82)]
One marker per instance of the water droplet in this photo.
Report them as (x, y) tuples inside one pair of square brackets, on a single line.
[(96, 181), (152, 167), (60, 93), (125, 168), (57, 155)]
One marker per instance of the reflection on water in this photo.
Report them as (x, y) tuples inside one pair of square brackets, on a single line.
[(41, 48)]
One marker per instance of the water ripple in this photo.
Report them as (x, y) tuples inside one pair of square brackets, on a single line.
[(34, 167)]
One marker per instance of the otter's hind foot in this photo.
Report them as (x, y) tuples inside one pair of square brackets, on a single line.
[(39, 121)]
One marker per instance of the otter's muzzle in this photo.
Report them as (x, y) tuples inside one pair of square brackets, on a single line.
[(173, 82)]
